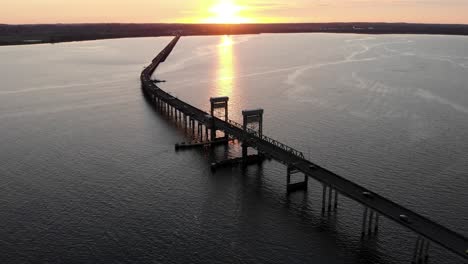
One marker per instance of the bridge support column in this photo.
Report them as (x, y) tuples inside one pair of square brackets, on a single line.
[(218, 103), (426, 251), (193, 126), (371, 218), (332, 203), (376, 228), (324, 197), (200, 131), (364, 222), (291, 187), (336, 200), (369, 221), (421, 251)]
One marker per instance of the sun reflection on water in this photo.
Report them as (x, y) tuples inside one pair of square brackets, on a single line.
[(226, 71)]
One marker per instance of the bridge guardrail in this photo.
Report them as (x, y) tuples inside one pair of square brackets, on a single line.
[(268, 139)]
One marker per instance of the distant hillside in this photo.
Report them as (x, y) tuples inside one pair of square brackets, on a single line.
[(52, 33)]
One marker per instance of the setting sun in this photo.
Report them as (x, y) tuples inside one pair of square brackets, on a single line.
[(227, 12)]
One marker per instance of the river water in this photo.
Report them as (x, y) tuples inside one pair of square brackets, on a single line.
[(89, 174)]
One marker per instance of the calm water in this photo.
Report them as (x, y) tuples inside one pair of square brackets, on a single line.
[(88, 171)]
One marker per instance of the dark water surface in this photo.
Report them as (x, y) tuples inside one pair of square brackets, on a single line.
[(88, 171)]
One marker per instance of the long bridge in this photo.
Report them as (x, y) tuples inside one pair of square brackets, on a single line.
[(374, 204)]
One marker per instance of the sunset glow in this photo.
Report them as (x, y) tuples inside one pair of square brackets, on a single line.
[(232, 11), (227, 12)]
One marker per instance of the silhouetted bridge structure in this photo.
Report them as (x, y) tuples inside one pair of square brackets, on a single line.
[(374, 205)]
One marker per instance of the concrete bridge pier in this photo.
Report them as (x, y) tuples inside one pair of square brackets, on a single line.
[(188, 128), (421, 251), (200, 131), (292, 187), (324, 197), (192, 125), (370, 222), (335, 206), (329, 199)]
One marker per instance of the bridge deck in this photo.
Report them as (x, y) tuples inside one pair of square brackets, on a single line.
[(284, 154)]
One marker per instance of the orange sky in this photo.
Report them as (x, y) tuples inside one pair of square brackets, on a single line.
[(199, 11)]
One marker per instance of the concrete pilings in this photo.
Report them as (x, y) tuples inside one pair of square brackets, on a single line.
[(370, 222), (331, 200), (421, 251)]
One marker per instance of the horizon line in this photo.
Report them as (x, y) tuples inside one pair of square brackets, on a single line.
[(225, 24)]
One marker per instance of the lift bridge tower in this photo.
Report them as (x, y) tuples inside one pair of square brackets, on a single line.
[(218, 106), (252, 123)]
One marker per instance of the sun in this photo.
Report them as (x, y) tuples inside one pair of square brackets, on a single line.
[(227, 12)]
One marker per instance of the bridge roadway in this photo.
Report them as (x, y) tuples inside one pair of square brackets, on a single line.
[(421, 225)]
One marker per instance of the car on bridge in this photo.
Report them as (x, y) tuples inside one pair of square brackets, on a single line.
[(404, 218)]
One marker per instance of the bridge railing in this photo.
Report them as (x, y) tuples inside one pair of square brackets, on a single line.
[(268, 139)]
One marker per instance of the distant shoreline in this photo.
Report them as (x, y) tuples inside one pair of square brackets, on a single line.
[(58, 33)]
